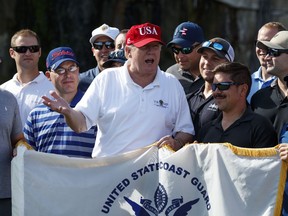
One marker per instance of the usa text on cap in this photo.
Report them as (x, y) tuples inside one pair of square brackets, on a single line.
[(140, 35)]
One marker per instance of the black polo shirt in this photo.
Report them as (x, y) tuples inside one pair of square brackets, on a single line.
[(249, 131), (202, 110), (269, 102), (189, 83)]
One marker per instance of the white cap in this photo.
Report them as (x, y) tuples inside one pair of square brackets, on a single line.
[(104, 30)]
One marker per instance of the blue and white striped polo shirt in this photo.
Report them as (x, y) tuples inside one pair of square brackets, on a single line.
[(47, 131)]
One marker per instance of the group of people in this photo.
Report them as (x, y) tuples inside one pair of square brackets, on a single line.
[(24, 116), (127, 102), (233, 106)]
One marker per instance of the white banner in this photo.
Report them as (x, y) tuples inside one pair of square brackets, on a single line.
[(200, 179)]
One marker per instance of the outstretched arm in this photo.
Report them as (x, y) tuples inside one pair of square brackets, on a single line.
[(74, 119)]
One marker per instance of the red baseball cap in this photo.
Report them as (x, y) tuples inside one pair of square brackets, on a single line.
[(140, 35)]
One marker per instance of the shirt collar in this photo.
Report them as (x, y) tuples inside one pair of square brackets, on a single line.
[(128, 79), (37, 79), (258, 75), (76, 98), (274, 83), (247, 116)]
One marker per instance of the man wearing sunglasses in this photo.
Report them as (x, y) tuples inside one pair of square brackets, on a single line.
[(260, 78), (102, 42), (237, 124), (28, 84), (201, 103), (272, 102), (135, 105), (186, 39), (46, 130)]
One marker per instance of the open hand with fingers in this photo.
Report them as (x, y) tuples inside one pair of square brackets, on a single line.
[(59, 104)]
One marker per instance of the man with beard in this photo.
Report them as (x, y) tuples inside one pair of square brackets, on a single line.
[(237, 124), (201, 103)]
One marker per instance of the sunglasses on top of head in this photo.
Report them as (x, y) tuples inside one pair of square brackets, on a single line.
[(23, 49), (216, 46), (107, 44), (222, 86), (276, 52)]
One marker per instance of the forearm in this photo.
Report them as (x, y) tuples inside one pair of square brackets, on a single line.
[(183, 138), (75, 120)]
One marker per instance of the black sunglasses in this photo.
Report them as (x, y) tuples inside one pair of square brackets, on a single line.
[(222, 86), (23, 49), (185, 50), (108, 45), (276, 52)]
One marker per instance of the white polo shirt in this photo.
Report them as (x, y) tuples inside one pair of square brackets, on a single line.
[(28, 95), (129, 116)]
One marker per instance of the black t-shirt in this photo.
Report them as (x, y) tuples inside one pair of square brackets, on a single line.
[(249, 131), (269, 102), (202, 110)]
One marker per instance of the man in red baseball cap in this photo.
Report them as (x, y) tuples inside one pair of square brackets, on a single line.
[(140, 35), (134, 105), (143, 47)]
